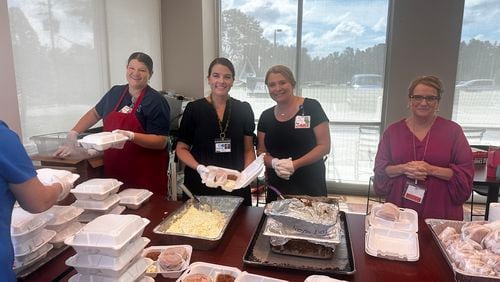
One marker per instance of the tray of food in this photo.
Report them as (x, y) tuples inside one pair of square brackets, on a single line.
[(306, 215), (471, 249), (199, 227), (260, 253)]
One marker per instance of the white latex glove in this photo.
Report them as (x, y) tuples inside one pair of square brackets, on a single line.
[(286, 165), (66, 184), (280, 172), (203, 172), (129, 134), (69, 146)]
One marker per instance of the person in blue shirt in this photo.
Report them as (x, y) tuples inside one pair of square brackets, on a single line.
[(19, 182)]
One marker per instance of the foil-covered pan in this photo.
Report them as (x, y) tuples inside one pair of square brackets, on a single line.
[(437, 226), (309, 215), (276, 228), (227, 205)]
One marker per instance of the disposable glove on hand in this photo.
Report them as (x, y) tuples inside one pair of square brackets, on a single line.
[(66, 184), (286, 165), (280, 172), (203, 172), (69, 146), (129, 134)]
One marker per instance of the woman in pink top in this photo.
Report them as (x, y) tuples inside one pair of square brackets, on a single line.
[(424, 161)]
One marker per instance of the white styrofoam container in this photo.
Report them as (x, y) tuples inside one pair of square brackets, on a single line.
[(249, 277), (133, 198), (32, 257), (35, 243), (24, 222), (104, 206), (90, 215), (109, 266), (392, 244), (49, 175), (63, 216), (321, 278), (96, 189), (103, 140), (70, 230), (165, 273), (132, 273), (408, 220), (107, 234), (243, 178), (209, 269)]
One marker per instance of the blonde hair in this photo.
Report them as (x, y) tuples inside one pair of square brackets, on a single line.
[(429, 80), (284, 71)]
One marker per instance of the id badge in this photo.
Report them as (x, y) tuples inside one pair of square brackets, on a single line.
[(126, 109), (223, 145), (414, 192), (302, 121)]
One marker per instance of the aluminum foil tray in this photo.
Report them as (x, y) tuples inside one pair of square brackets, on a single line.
[(437, 226), (227, 205), (310, 215), (278, 229), (259, 254)]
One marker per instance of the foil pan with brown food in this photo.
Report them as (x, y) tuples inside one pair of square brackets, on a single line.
[(304, 215)]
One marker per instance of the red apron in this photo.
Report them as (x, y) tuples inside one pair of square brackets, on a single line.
[(135, 166)]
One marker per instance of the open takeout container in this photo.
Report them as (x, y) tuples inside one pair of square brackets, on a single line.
[(393, 240), (233, 179), (227, 205), (155, 268)]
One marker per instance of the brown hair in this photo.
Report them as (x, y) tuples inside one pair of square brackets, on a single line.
[(284, 71), (429, 80), (221, 61), (143, 58)]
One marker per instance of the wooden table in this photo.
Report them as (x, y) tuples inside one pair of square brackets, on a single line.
[(430, 267), (481, 178)]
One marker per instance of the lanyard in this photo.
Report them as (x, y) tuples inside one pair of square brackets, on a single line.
[(222, 134)]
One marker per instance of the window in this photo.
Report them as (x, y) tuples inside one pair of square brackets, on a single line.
[(477, 94), (339, 42), (67, 54)]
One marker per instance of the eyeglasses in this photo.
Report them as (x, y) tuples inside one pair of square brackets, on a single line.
[(428, 99)]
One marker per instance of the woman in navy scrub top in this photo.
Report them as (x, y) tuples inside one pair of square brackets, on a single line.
[(142, 114)]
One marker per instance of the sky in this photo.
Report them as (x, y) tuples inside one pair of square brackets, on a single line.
[(331, 26)]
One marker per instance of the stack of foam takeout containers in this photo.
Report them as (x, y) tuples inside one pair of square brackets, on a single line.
[(133, 198), (29, 237), (392, 239), (97, 197), (64, 223), (109, 248)]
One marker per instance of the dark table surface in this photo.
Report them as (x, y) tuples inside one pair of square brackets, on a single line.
[(431, 265)]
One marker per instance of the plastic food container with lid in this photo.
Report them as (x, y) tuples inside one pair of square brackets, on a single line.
[(394, 240), (109, 266), (105, 205), (103, 140), (133, 198), (208, 270), (108, 234), (33, 244), (24, 225), (132, 273), (96, 189), (155, 268), (63, 216)]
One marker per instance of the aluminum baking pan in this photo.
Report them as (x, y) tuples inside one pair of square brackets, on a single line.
[(437, 226), (227, 205)]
